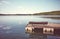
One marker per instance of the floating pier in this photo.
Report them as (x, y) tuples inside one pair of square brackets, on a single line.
[(44, 27)]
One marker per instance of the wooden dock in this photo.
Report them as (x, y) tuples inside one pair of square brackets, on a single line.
[(44, 27)]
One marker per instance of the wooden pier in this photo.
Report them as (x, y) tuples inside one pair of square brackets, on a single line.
[(44, 27)]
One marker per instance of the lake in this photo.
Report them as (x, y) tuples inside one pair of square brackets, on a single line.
[(13, 27)]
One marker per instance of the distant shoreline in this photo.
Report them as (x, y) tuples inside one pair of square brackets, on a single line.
[(49, 13), (15, 14), (52, 17), (19, 14), (43, 13)]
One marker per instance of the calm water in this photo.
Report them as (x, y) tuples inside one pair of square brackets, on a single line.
[(13, 27)]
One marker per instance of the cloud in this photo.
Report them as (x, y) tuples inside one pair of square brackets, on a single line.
[(3, 2), (20, 10)]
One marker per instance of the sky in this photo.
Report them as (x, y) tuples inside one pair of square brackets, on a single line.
[(28, 6)]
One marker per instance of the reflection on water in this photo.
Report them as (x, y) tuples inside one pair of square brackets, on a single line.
[(40, 35), (56, 18), (13, 27)]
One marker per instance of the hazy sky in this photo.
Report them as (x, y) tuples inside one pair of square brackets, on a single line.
[(28, 6)]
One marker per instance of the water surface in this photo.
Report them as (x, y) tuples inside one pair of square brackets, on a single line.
[(13, 27)]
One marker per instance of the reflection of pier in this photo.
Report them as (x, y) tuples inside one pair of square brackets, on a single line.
[(40, 35), (37, 36), (44, 27)]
